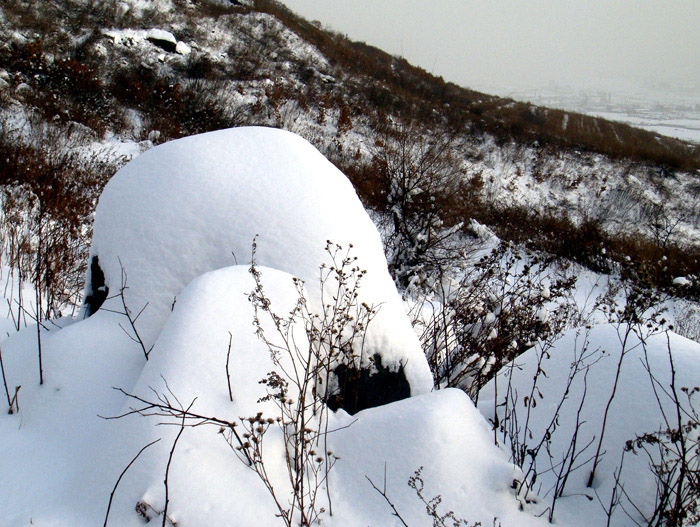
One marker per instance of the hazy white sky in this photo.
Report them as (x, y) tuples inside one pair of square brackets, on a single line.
[(477, 42)]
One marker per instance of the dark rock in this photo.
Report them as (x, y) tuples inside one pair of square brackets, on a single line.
[(98, 290), (361, 388)]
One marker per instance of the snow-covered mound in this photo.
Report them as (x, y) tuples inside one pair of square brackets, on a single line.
[(634, 411), (196, 205), (57, 472)]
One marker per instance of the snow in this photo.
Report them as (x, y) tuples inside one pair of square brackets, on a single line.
[(196, 204), (66, 459), (160, 34), (48, 478), (172, 217), (443, 433), (634, 411)]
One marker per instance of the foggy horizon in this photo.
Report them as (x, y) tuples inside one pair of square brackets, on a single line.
[(537, 43)]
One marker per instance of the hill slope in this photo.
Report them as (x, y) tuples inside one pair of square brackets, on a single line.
[(102, 79)]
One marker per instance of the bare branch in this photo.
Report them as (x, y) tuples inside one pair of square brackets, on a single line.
[(128, 466)]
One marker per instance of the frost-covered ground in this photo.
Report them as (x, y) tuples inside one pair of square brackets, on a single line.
[(174, 232)]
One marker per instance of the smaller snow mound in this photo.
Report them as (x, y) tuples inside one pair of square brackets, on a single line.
[(634, 411), (443, 433), (57, 438)]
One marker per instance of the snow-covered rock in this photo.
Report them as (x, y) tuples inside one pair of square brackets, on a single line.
[(681, 281), (229, 3), (196, 205), (182, 48), (122, 9), (162, 38)]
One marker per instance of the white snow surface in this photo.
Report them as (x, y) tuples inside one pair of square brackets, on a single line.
[(161, 34), (196, 204), (681, 281), (634, 411), (65, 459)]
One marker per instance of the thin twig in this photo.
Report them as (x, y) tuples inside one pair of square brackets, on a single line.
[(14, 403), (228, 374), (383, 494), (170, 459), (37, 291), (132, 320), (4, 381), (114, 490)]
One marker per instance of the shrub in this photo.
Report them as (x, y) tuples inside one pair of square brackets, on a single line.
[(417, 181), (505, 303), (49, 191)]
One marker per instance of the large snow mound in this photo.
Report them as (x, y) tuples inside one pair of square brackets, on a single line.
[(65, 459), (634, 411), (196, 204)]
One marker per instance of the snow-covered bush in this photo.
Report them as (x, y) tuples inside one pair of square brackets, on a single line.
[(48, 190), (506, 302), (673, 454), (306, 351), (601, 420)]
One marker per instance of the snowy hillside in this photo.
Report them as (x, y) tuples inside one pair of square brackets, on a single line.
[(257, 274), (230, 403)]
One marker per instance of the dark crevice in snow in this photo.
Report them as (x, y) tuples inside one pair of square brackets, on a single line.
[(362, 388), (97, 287)]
